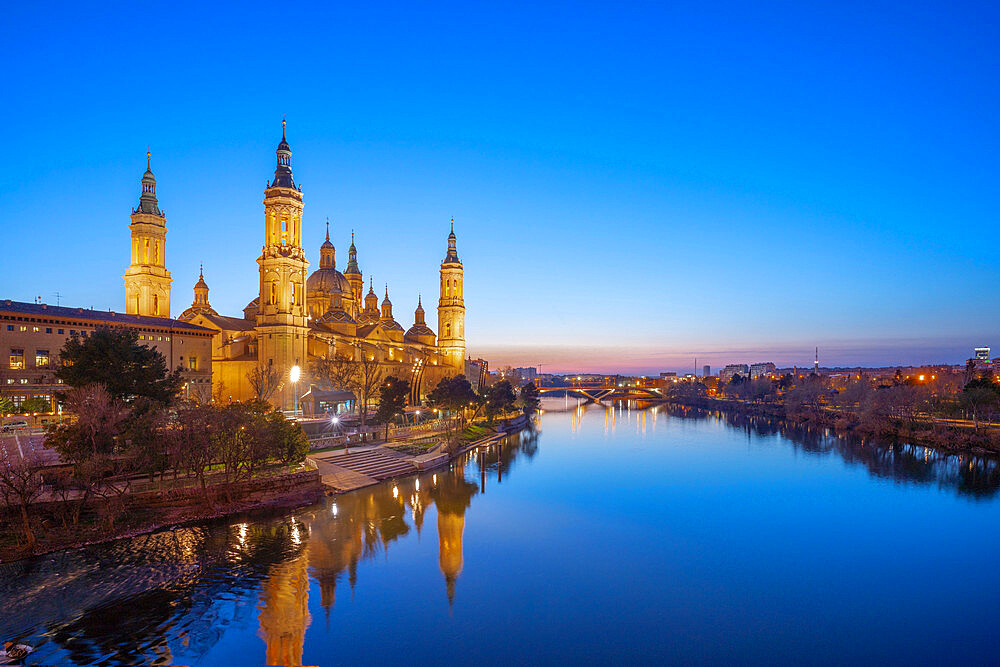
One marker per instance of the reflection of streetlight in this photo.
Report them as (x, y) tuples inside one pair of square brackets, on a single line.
[(293, 375)]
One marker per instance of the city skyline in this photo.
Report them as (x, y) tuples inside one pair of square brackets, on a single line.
[(626, 204)]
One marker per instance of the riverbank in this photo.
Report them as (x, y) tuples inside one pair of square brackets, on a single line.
[(952, 438), (342, 471), (154, 510), (150, 511)]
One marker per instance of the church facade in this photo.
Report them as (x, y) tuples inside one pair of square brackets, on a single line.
[(297, 317)]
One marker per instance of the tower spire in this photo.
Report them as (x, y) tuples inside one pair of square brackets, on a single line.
[(327, 228)]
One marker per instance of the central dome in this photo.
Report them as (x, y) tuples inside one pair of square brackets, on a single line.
[(328, 281)]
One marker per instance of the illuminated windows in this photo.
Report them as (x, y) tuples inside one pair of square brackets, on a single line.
[(41, 358), (16, 358), (193, 363)]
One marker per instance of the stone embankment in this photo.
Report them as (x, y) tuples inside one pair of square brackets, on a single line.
[(346, 470)]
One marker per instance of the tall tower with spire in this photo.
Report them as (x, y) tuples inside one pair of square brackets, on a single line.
[(354, 277), (147, 281), (451, 307), (282, 325)]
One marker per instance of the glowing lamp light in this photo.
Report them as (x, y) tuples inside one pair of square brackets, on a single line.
[(335, 420), (294, 373)]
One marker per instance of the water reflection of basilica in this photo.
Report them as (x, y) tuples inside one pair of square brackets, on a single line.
[(359, 526)]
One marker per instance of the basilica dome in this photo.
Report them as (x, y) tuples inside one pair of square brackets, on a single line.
[(328, 281)]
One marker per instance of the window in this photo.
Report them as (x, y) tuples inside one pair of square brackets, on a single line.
[(10, 327), (167, 339), (142, 336), (16, 358), (193, 363), (10, 380), (24, 380), (59, 331), (48, 330), (35, 329), (41, 358), (24, 328), (72, 332)]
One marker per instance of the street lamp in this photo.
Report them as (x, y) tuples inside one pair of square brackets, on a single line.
[(293, 375)]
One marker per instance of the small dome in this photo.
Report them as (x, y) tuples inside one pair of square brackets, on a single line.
[(385, 301), (419, 330)]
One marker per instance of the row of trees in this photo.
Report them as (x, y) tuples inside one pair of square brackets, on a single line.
[(129, 425), (876, 406)]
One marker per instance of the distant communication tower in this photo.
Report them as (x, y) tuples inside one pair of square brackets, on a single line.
[(816, 363)]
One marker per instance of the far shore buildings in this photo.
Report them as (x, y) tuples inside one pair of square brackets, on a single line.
[(293, 319)]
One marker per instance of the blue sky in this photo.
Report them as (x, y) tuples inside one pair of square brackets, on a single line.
[(633, 185)]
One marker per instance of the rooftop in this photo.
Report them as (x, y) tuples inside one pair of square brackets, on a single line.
[(97, 316)]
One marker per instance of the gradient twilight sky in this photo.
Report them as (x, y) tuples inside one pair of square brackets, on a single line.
[(633, 184)]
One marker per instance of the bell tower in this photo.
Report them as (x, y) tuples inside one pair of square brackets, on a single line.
[(282, 325), (451, 307), (147, 281)]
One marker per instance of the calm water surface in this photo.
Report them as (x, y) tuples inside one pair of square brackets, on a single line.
[(612, 534)]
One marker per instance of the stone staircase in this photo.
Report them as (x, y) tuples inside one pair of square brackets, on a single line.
[(375, 463)]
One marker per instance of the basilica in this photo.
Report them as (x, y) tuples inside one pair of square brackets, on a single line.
[(297, 317)]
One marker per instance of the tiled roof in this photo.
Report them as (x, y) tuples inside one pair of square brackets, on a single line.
[(230, 323), (98, 316)]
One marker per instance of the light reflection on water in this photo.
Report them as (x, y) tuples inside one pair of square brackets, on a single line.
[(297, 587)]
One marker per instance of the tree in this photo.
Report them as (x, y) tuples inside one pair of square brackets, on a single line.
[(453, 394), (96, 429), (391, 400), (93, 446), (369, 377), (33, 405), (980, 398), (21, 484), (265, 380), (113, 358), (530, 398), (499, 399), (338, 373), (190, 443), (6, 406)]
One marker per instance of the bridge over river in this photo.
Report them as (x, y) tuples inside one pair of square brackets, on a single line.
[(601, 393)]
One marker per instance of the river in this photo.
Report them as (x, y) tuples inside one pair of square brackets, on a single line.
[(608, 534)]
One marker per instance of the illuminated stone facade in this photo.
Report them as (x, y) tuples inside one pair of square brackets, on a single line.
[(298, 317), (147, 281)]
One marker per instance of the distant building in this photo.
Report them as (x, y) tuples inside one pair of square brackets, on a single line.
[(982, 354), (761, 369), (706, 370), (727, 373), (668, 374), (528, 374)]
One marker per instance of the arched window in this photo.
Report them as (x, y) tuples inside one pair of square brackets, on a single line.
[(156, 252), (146, 256), (274, 294), (156, 305), (447, 329)]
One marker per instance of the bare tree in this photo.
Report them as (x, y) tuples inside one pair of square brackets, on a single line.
[(202, 393), (265, 380), (337, 373), (369, 379), (21, 484)]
